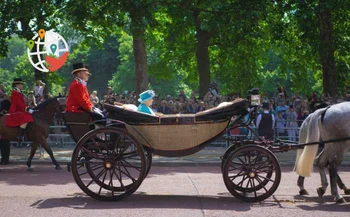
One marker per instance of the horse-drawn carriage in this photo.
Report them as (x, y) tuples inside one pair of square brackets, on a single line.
[(112, 157), (111, 161)]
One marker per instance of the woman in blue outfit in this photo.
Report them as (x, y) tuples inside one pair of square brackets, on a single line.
[(146, 100)]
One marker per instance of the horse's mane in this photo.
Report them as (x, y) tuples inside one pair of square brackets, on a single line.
[(45, 103)]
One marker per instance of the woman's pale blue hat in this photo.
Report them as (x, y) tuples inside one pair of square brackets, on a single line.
[(146, 95)]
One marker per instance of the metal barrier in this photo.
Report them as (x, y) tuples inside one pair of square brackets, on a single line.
[(60, 139)]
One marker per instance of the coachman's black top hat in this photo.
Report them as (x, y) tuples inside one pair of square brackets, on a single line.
[(80, 67), (17, 81)]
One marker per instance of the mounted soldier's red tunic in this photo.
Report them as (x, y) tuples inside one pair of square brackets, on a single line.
[(17, 114), (78, 97)]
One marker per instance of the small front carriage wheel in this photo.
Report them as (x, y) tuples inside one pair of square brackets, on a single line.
[(108, 164), (251, 173)]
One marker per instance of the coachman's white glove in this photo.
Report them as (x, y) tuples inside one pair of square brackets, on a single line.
[(31, 111), (98, 111)]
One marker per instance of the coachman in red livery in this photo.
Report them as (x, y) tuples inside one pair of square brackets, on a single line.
[(19, 114), (78, 95)]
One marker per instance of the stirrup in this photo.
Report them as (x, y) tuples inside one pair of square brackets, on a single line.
[(20, 140)]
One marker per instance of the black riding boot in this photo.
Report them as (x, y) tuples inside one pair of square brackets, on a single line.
[(21, 136), (5, 151)]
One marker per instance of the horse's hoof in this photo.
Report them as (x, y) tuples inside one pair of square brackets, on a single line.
[(30, 169), (347, 191), (303, 192), (320, 191), (341, 200), (58, 167)]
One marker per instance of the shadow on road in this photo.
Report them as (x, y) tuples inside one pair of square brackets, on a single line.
[(325, 203), (141, 200), (16, 174), (328, 206)]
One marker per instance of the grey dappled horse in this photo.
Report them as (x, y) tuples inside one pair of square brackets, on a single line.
[(324, 125)]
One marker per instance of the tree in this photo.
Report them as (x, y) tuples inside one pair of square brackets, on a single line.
[(23, 18), (327, 48), (211, 31), (124, 78), (102, 61), (17, 65), (320, 30), (103, 18)]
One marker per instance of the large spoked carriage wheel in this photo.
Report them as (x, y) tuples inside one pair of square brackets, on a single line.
[(108, 164), (251, 173)]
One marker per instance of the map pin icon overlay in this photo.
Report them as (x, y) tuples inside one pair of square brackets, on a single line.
[(53, 48), (41, 33), (30, 44)]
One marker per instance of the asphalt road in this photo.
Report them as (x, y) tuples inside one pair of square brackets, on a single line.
[(167, 191)]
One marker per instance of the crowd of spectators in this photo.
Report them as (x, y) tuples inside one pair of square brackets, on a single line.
[(293, 108), (179, 104), (288, 111), (291, 111), (32, 98)]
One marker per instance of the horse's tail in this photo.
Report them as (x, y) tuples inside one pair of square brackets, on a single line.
[(305, 161), (302, 139)]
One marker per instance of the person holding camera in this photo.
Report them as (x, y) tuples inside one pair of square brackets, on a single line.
[(39, 90), (280, 94), (282, 107), (280, 126), (265, 122)]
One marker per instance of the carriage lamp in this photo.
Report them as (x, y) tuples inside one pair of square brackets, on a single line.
[(253, 97), (255, 100)]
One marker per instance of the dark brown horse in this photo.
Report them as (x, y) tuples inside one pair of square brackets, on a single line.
[(37, 132)]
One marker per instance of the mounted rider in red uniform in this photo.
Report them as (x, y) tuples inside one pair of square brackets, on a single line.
[(78, 97), (19, 114)]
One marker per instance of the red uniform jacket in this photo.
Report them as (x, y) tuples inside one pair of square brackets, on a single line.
[(78, 97), (17, 114)]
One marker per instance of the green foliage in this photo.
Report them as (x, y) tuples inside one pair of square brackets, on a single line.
[(17, 65), (6, 78), (252, 43), (124, 78), (22, 18), (19, 70)]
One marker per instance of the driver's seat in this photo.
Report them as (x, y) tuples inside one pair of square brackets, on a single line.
[(78, 124)]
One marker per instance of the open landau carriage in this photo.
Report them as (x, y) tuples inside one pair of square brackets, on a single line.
[(110, 161)]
